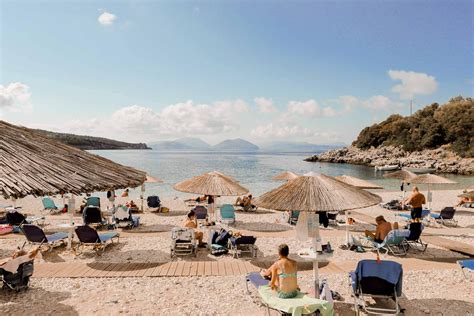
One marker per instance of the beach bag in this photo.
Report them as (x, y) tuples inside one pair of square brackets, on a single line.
[(218, 250), (164, 209), (223, 237)]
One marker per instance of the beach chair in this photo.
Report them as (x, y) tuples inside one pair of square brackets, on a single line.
[(88, 236), (153, 201), (92, 215), (466, 264), (201, 212), (36, 236), (446, 216), (302, 304), (48, 205), (227, 213), (293, 218), (183, 242), (248, 208), (414, 238), (15, 274), (15, 218), (376, 280), (394, 243), (122, 217), (243, 245), (93, 201)]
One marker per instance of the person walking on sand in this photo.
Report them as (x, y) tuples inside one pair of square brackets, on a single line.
[(416, 200)]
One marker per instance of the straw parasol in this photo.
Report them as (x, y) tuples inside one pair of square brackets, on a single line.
[(403, 175), (312, 193), (211, 183), (358, 183), (33, 164), (285, 176), (430, 179)]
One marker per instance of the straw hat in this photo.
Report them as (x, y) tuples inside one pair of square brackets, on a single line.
[(34, 164), (358, 183), (403, 175), (431, 179), (285, 176), (316, 192), (211, 183)]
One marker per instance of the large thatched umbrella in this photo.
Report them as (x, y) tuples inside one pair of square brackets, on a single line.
[(33, 164), (313, 193), (404, 175), (430, 179), (285, 176), (211, 183), (358, 183)]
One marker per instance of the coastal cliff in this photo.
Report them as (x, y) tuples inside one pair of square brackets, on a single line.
[(442, 159)]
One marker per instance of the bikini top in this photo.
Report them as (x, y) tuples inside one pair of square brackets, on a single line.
[(284, 275)]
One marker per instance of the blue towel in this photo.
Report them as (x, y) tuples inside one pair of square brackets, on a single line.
[(257, 280), (389, 271), (467, 264)]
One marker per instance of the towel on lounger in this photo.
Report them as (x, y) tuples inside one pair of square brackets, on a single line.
[(300, 305)]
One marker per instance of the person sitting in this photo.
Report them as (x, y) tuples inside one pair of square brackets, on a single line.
[(191, 222), (465, 199), (283, 274), (125, 193), (416, 200), (244, 201), (382, 230)]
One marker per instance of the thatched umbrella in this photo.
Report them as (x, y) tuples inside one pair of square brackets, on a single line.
[(430, 179), (149, 179), (33, 164), (404, 175), (313, 193), (211, 183), (358, 183), (285, 176)]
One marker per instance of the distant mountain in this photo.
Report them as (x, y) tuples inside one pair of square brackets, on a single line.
[(91, 142), (237, 144), (182, 144), (282, 146)]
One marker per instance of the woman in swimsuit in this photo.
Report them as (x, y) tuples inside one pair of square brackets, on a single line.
[(283, 274)]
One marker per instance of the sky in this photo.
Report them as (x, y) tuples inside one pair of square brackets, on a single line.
[(315, 71)]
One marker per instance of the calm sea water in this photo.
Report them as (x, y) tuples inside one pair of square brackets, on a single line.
[(253, 170)]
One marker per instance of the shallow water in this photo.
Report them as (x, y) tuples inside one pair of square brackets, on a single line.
[(253, 170)]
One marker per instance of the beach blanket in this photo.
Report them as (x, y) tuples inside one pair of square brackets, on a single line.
[(300, 305), (12, 264), (389, 271)]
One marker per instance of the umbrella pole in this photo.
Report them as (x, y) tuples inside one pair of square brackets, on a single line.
[(429, 196), (316, 247), (141, 196), (346, 213)]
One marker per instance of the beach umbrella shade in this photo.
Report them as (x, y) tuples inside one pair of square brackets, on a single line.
[(285, 176), (34, 164), (211, 183), (149, 179), (430, 179), (358, 183), (404, 175), (313, 193)]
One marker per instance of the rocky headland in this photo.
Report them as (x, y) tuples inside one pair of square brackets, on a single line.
[(442, 159)]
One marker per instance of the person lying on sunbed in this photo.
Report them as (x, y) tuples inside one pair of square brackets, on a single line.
[(191, 222), (283, 274), (382, 230), (244, 201), (199, 199)]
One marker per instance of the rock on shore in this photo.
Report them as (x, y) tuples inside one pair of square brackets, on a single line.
[(442, 159)]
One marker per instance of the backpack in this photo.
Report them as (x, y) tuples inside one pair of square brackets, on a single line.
[(223, 237)]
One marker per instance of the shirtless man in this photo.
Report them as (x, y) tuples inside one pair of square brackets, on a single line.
[(382, 230)]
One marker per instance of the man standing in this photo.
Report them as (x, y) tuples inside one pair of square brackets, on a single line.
[(416, 200)]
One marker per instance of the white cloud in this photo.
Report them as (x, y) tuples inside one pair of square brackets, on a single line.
[(412, 83), (310, 108), (265, 105), (15, 97), (280, 131), (375, 103), (107, 18)]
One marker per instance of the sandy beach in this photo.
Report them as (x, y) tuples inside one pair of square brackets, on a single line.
[(428, 289)]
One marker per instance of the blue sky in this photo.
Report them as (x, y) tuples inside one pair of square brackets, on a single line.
[(315, 71)]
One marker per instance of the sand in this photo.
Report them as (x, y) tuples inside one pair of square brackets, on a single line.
[(427, 291)]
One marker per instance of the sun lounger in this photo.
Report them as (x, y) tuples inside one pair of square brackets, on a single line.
[(293, 218), (243, 245), (183, 242), (394, 243), (122, 217), (91, 215), (15, 218), (153, 201), (227, 213), (93, 201), (302, 304), (15, 273), (48, 205), (446, 216), (414, 238), (88, 236), (466, 264), (201, 213), (36, 236), (248, 208), (376, 280)]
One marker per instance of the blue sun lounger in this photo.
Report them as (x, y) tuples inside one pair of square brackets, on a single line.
[(466, 264)]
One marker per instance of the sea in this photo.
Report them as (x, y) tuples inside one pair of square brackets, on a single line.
[(253, 170)]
